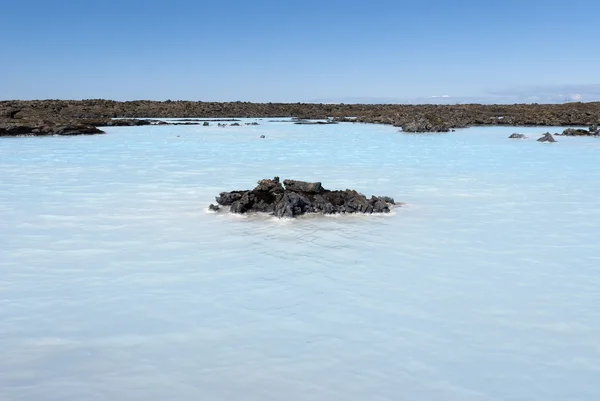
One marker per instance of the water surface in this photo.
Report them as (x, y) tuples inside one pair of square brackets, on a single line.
[(116, 283)]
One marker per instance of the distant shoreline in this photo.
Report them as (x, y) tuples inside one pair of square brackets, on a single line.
[(73, 117)]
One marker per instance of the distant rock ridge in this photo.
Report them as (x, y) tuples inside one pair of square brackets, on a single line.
[(412, 118), (295, 198)]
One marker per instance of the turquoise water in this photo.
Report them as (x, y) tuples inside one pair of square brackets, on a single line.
[(116, 283)]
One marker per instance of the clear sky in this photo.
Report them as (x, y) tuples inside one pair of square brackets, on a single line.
[(338, 51)]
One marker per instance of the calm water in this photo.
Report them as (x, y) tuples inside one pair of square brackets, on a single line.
[(117, 284)]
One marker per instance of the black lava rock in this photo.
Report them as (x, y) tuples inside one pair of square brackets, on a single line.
[(295, 198), (547, 138)]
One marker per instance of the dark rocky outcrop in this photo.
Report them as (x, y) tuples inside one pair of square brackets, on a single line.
[(295, 198), (547, 137), (302, 186), (47, 129), (422, 125), (306, 122), (135, 122), (58, 126), (592, 131), (9, 113), (128, 122), (517, 136)]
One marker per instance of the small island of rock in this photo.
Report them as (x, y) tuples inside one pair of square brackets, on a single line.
[(295, 198)]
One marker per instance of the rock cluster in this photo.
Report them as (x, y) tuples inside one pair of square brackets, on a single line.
[(9, 126), (308, 122), (517, 136), (134, 122), (421, 125), (592, 131), (47, 129), (295, 198)]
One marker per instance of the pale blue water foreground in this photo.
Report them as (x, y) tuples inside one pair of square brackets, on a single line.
[(117, 284)]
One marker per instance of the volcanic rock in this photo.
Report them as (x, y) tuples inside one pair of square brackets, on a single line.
[(547, 138), (592, 131), (47, 129), (295, 198), (425, 125)]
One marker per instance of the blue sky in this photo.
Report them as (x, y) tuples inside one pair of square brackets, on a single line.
[(330, 51)]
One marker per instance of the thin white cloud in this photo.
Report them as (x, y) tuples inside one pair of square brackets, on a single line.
[(551, 93), (576, 97), (526, 94)]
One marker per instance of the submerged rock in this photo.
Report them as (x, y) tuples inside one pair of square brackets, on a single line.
[(517, 136), (294, 198), (547, 138)]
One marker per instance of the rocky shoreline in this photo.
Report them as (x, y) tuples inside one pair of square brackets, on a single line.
[(48, 129), (295, 198), (71, 117)]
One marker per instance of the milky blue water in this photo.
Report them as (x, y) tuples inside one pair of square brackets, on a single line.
[(116, 283)]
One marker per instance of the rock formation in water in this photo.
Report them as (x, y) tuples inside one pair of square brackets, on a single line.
[(308, 122), (47, 129), (58, 126), (517, 136), (547, 137), (135, 122), (592, 131), (295, 198)]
